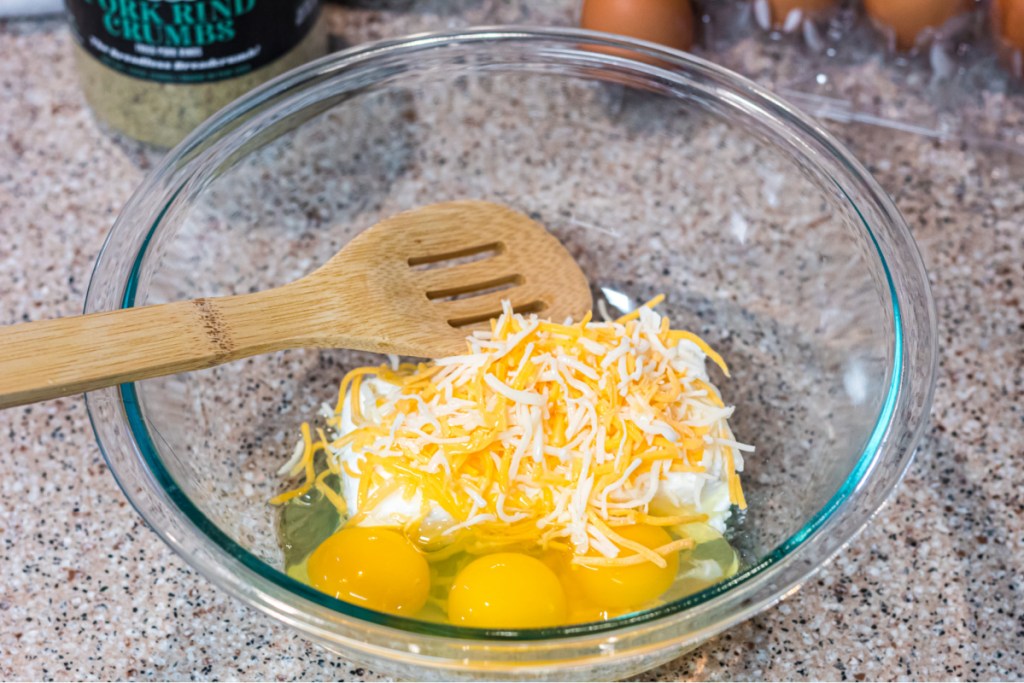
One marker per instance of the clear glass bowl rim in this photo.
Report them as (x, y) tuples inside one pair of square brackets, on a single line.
[(911, 388)]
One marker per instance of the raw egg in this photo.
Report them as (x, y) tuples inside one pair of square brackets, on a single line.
[(904, 21), (667, 22), (1008, 27), (371, 567), (788, 15), (629, 586), (507, 590)]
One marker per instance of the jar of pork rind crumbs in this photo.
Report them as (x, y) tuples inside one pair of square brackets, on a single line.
[(155, 69)]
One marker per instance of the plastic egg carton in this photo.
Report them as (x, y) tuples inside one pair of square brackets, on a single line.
[(955, 85)]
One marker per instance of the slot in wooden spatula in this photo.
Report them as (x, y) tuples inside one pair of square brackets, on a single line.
[(415, 284)]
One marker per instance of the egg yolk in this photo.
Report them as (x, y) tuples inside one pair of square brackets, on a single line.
[(629, 586), (507, 590), (371, 567)]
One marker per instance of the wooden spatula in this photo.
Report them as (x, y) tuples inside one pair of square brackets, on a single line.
[(415, 284)]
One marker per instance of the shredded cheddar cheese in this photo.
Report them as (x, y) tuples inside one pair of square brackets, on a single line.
[(543, 433)]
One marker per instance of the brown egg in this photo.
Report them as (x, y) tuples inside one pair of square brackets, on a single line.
[(783, 11), (1008, 28), (668, 22), (905, 20), (1008, 16)]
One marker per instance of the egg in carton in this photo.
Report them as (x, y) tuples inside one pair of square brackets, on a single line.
[(1007, 23), (666, 22), (914, 25), (804, 17), (939, 30)]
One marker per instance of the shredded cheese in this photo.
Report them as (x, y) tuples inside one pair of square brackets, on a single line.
[(545, 433)]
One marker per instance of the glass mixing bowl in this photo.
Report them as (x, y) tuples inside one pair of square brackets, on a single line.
[(662, 173)]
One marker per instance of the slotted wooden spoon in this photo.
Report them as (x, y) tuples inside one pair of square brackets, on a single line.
[(415, 284)]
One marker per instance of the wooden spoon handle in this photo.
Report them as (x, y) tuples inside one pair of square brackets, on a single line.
[(51, 358)]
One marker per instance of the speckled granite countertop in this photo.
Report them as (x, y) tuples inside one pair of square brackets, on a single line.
[(932, 589)]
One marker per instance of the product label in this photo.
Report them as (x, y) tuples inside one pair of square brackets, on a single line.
[(189, 41)]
